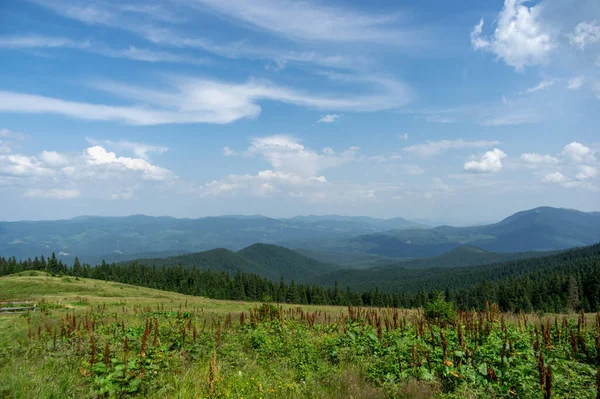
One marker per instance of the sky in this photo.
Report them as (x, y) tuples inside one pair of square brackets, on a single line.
[(457, 112)]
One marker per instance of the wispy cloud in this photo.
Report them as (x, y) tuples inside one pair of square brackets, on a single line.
[(35, 41), (575, 83), (130, 53), (544, 84), (309, 20), (53, 193), (195, 101), (430, 148), (329, 118)]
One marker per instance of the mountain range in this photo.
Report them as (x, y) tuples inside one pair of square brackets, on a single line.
[(355, 242)]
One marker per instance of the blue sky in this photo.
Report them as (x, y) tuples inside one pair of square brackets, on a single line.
[(454, 112)]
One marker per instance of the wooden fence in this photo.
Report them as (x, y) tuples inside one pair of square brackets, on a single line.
[(18, 307)]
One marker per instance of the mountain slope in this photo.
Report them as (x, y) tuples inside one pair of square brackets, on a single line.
[(269, 261), (402, 279)]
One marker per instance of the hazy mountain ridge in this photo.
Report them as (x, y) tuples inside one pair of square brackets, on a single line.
[(93, 238), (539, 229)]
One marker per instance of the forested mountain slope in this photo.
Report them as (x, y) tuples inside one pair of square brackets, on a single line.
[(268, 261)]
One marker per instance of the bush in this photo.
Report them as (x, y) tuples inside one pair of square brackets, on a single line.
[(441, 310)]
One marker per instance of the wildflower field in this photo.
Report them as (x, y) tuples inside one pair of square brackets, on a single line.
[(111, 340)]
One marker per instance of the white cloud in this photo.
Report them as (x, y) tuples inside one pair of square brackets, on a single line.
[(555, 177), (578, 153), (97, 155), (18, 42), (140, 150), (413, 170), (93, 171), (22, 166), (313, 21), (264, 183), (196, 101), (512, 116), (54, 193), (228, 152), (131, 52), (329, 118), (490, 162), (4, 148), (538, 159), (440, 119), (577, 164), (403, 136), (519, 39), (288, 154), (575, 83), (544, 84), (430, 148), (586, 172), (577, 183), (126, 194), (585, 33), (53, 158), (8, 134)]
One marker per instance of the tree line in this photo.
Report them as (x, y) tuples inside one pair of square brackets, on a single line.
[(569, 281)]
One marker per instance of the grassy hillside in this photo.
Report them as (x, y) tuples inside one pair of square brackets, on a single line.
[(270, 261), (95, 339)]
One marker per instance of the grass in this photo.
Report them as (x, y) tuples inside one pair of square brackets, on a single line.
[(206, 349)]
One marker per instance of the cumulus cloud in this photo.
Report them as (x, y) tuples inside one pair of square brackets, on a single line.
[(555, 177), (329, 118), (578, 153), (576, 163), (22, 166), (53, 158), (93, 170), (490, 162), (586, 172), (140, 150), (228, 152), (403, 136), (53, 193), (97, 155), (430, 148), (585, 33), (288, 154), (519, 38)]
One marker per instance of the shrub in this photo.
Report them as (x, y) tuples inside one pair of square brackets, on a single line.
[(441, 310)]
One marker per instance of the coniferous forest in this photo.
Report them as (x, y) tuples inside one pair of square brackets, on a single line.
[(567, 281)]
